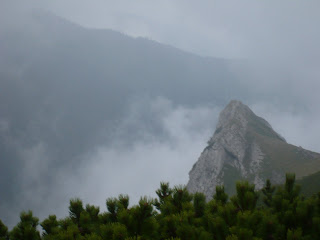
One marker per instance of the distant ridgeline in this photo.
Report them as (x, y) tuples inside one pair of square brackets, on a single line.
[(245, 147), (272, 213)]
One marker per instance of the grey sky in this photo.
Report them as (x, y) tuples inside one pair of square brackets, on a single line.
[(281, 35), (216, 28)]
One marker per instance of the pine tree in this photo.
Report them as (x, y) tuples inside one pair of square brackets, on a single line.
[(292, 190), (199, 204), (3, 231), (26, 229), (246, 197), (89, 219), (112, 206), (181, 198), (50, 225), (145, 223), (75, 210), (268, 191), (181, 215), (220, 195), (114, 231), (163, 193), (285, 203), (123, 201)]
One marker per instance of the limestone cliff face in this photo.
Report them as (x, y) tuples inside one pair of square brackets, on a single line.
[(241, 148)]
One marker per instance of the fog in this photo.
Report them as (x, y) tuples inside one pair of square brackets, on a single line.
[(92, 113)]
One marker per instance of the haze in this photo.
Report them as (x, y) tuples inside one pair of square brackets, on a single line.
[(89, 112)]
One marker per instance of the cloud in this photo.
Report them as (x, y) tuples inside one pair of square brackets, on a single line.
[(108, 170), (137, 169)]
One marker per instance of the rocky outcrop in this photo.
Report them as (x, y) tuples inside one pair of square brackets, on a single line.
[(244, 146)]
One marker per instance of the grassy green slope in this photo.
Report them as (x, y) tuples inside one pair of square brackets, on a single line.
[(290, 158), (310, 184), (281, 155)]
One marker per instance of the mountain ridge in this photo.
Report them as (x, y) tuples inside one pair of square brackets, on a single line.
[(245, 146), (71, 89)]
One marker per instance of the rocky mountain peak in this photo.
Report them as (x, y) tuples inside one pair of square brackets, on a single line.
[(235, 110), (244, 146), (238, 117)]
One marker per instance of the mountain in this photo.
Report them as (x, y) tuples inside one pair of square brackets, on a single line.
[(68, 90), (57, 73), (244, 146), (310, 185)]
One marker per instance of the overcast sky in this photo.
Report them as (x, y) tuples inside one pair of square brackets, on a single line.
[(215, 28), (280, 38), (277, 35)]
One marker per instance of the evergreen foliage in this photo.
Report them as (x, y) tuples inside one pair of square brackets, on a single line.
[(268, 191), (220, 195), (178, 215), (3, 231), (27, 228)]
